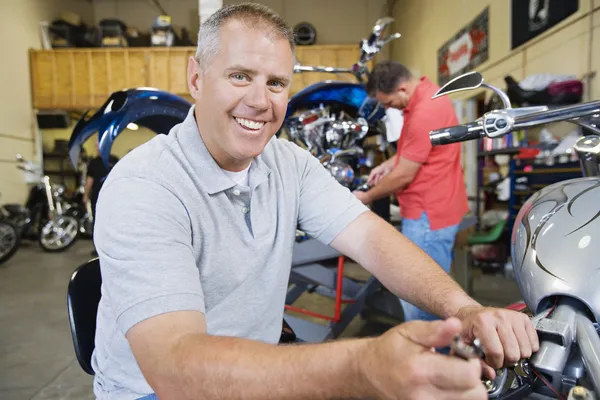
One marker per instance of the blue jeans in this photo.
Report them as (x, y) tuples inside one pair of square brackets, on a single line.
[(149, 397), (438, 244)]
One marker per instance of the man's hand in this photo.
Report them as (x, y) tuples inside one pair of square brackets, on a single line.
[(401, 364), (380, 171), (507, 336), (362, 196)]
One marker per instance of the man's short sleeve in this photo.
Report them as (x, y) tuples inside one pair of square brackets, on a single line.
[(326, 207), (415, 143), (144, 241)]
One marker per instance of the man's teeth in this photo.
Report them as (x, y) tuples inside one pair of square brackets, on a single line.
[(250, 124)]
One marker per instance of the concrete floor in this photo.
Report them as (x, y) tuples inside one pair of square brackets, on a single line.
[(37, 360)]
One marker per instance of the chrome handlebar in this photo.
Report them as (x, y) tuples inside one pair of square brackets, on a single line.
[(498, 123), (369, 48), (566, 113), (333, 70)]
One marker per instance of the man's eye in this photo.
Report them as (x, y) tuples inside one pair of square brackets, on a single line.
[(238, 77), (276, 84)]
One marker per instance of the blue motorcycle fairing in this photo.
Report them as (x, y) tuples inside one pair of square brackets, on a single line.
[(338, 92), (154, 109)]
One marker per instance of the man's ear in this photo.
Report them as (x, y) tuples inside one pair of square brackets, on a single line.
[(194, 78), (402, 88)]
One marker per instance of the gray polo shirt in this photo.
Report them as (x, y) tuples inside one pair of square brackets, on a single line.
[(173, 232)]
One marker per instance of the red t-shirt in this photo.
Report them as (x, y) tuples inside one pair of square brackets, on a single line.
[(439, 187)]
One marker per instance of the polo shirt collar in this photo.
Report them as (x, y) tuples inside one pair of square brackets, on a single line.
[(417, 94), (204, 165)]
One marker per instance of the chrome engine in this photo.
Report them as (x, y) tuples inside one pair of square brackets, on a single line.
[(333, 137)]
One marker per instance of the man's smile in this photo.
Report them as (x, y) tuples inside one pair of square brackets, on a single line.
[(249, 124)]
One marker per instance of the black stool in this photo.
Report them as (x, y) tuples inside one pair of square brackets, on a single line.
[(83, 296)]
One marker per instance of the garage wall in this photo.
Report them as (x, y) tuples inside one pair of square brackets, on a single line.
[(359, 15), (565, 49), (19, 31)]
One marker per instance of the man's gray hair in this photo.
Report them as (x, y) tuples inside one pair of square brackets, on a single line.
[(252, 15)]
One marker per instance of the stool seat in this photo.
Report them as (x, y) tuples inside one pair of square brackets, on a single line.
[(83, 296)]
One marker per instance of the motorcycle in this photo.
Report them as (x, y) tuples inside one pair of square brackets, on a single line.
[(149, 108), (552, 249), (42, 218), (332, 119), (10, 239)]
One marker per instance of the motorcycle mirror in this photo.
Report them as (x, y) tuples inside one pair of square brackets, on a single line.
[(381, 24), (468, 81)]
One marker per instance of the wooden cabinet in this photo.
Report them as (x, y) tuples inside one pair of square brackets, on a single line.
[(75, 79), (85, 78)]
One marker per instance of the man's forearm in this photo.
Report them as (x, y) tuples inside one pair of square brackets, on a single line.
[(389, 184), (89, 183), (211, 367), (408, 271)]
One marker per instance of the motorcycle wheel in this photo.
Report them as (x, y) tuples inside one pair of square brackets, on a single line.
[(59, 234), (10, 239)]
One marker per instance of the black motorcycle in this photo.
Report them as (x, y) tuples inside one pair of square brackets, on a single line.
[(43, 217), (9, 237)]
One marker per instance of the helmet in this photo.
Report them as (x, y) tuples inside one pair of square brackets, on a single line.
[(555, 244)]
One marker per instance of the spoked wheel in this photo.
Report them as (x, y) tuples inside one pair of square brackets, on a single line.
[(59, 234), (9, 240)]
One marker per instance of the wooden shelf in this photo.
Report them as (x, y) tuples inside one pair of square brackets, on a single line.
[(508, 151), (523, 192), (61, 173), (548, 171), (78, 79)]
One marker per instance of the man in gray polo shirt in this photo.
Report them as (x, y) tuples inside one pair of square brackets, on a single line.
[(195, 231)]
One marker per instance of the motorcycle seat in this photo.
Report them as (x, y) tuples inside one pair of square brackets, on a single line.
[(15, 208)]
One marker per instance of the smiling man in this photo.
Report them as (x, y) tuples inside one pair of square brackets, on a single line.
[(195, 232)]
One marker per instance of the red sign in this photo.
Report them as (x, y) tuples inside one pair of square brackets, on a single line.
[(467, 49)]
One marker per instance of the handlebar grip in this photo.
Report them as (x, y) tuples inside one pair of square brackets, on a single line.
[(455, 134)]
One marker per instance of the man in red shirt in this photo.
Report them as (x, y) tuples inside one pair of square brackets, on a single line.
[(428, 181)]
